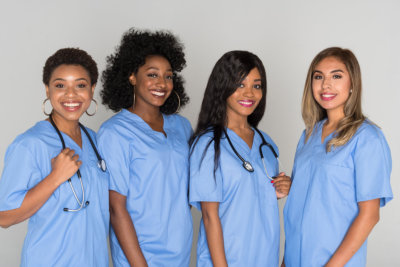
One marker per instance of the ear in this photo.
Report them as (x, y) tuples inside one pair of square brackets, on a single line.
[(93, 86), (47, 91), (132, 79)]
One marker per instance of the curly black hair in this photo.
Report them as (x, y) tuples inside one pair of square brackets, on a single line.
[(70, 56), (135, 47)]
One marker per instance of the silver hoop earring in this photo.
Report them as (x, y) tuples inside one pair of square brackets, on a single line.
[(91, 114), (44, 107), (179, 102), (351, 91)]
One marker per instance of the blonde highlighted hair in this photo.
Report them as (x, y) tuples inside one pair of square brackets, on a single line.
[(312, 112)]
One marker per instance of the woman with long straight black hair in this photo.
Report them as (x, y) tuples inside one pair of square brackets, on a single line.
[(234, 171)]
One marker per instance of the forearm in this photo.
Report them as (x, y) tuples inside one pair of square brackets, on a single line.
[(356, 235), (125, 231), (33, 201), (215, 239)]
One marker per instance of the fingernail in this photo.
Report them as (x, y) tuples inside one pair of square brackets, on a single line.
[(272, 181)]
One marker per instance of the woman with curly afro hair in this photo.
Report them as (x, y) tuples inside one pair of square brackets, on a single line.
[(146, 150), (54, 176)]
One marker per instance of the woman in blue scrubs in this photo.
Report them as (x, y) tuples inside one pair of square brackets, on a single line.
[(146, 149), (51, 174), (341, 174), (228, 182)]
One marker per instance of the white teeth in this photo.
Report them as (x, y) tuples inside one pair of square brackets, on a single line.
[(246, 102), (71, 105), (327, 95), (158, 93)]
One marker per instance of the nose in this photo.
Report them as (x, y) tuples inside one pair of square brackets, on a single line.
[(248, 91), (161, 82), (326, 83), (70, 90)]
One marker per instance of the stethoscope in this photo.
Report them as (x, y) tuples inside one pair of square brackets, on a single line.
[(246, 164), (100, 163)]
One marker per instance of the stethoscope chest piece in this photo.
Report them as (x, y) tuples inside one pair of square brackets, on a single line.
[(102, 165), (247, 165)]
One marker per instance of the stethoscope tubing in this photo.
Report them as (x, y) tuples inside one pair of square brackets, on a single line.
[(101, 164), (246, 164)]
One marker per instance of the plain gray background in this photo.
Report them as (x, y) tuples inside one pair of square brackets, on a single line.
[(286, 35)]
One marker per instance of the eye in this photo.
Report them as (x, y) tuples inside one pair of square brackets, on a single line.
[(152, 75), (337, 76), (317, 77), (59, 85), (257, 86), (241, 85), (81, 85), (170, 77)]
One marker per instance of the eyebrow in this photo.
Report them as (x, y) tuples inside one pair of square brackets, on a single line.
[(257, 80), (155, 68), (79, 79), (338, 70)]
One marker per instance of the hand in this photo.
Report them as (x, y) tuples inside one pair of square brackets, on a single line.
[(65, 165), (282, 185)]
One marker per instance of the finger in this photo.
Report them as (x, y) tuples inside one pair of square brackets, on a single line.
[(75, 157), (65, 151), (282, 178), (71, 153), (79, 163)]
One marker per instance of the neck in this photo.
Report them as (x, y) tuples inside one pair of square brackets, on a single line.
[(149, 114), (235, 121), (333, 118), (70, 128)]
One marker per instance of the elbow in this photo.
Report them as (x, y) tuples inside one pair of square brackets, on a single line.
[(5, 222)]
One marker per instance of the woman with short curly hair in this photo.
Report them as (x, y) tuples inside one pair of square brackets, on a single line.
[(146, 149), (54, 176)]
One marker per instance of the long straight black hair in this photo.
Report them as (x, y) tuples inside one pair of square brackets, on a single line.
[(229, 71)]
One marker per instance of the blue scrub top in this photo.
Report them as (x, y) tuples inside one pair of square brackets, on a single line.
[(56, 237), (326, 188), (248, 207), (152, 171)]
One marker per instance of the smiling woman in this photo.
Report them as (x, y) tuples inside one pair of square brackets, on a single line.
[(53, 189), (341, 172), (147, 148)]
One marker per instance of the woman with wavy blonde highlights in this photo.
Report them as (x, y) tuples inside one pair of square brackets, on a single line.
[(341, 174)]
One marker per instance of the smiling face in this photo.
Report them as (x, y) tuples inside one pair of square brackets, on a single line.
[(331, 85), (246, 98), (153, 82), (70, 92)]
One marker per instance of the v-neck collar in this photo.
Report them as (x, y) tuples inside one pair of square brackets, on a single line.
[(68, 140), (237, 140), (144, 125)]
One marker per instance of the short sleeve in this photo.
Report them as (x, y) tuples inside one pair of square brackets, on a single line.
[(21, 172), (204, 185), (115, 151), (373, 165)]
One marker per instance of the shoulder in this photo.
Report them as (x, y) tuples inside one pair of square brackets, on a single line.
[(115, 120), (368, 129), (369, 136), (179, 120), (32, 139), (90, 132), (203, 141)]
